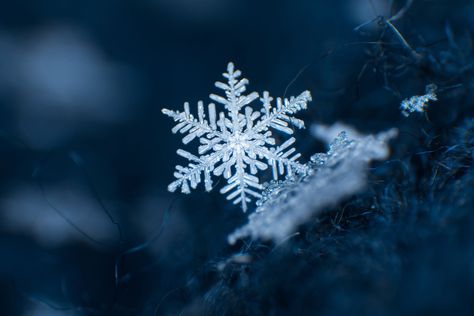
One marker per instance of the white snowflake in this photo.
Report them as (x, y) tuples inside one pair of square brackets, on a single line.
[(237, 144), (418, 103)]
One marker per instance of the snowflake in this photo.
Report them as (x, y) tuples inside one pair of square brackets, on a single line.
[(419, 103), (330, 178), (237, 144)]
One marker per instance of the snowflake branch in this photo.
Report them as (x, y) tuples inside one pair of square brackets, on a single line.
[(241, 184), (278, 158), (192, 172), (187, 123), (278, 118)]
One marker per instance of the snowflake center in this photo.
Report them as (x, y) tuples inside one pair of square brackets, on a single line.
[(238, 142)]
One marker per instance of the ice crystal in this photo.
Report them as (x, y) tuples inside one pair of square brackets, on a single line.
[(238, 143), (329, 178), (327, 133), (419, 103)]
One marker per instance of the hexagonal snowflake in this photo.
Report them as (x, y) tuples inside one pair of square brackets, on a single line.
[(237, 144)]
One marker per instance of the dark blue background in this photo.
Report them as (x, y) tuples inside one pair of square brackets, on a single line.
[(86, 154)]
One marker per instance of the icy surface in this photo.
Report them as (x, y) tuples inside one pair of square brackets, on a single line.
[(330, 177)]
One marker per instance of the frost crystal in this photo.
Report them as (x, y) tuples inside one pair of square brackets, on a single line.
[(237, 144), (327, 133), (418, 103), (330, 177)]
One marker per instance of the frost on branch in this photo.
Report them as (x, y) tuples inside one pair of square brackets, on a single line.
[(329, 178), (419, 103), (237, 143)]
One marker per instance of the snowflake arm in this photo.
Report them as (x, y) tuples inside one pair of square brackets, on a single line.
[(190, 176), (194, 127), (280, 158), (278, 117)]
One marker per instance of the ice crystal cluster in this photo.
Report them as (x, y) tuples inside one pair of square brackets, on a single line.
[(419, 103), (329, 178), (237, 143)]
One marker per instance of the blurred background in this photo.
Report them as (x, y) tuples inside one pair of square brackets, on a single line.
[(87, 226)]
